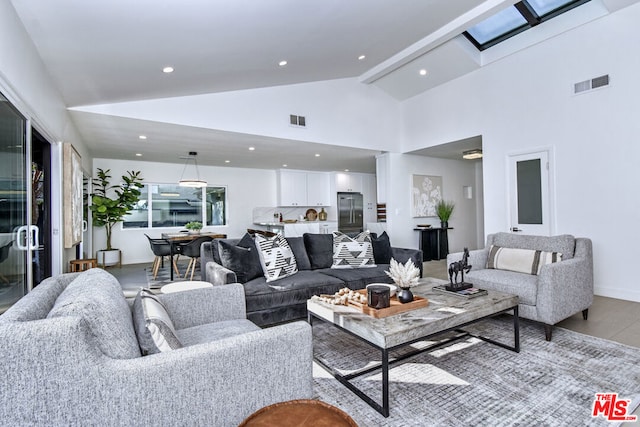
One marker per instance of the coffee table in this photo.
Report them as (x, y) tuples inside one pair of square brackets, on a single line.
[(444, 313)]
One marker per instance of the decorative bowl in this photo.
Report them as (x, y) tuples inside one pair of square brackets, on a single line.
[(392, 288)]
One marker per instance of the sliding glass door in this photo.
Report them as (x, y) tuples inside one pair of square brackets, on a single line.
[(15, 232)]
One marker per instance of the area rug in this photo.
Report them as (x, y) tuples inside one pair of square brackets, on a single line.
[(164, 275), (473, 383)]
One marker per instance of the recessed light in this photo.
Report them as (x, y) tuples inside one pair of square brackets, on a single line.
[(227, 161), (285, 165), (282, 63), (423, 72), (317, 155), (167, 70), (142, 137), (346, 170), (138, 154), (361, 58), (252, 148)]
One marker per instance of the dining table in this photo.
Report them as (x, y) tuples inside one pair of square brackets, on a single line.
[(175, 239)]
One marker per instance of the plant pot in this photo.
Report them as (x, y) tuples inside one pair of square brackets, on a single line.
[(109, 258), (194, 231), (444, 224), (405, 295)]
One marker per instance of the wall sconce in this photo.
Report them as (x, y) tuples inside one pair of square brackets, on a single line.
[(467, 192), (196, 182), (472, 154)]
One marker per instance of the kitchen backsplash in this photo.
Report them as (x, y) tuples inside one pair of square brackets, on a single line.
[(266, 214)]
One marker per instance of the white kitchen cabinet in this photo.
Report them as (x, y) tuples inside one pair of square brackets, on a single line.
[(298, 229), (381, 177), (318, 189), (369, 198), (292, 188), (301, 188), (328, 227), (349, 182)]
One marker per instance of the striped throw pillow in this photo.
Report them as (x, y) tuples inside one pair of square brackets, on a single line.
[(354, 252), (276, 257), (527, 261)]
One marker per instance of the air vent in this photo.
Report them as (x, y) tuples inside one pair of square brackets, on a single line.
[(591, 84), (298, 121)]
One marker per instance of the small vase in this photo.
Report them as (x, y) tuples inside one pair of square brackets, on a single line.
[(322, 216), (405, 295)]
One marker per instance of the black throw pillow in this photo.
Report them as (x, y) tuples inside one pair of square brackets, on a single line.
[(242, 260), (381, 248), (319, 249)]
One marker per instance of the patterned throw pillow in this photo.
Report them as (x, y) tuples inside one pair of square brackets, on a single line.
[(527, 261), (354, 252), (276, 257), (153, 326)]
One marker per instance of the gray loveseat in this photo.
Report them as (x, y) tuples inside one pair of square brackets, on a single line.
[(560, 290), (285, 299), (70, 357)]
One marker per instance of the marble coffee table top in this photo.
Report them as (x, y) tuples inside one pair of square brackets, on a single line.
[(443, 312)]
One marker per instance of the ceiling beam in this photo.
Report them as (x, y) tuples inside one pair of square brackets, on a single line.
[(435, 39)]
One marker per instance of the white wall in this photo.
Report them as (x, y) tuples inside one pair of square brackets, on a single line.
[(525, 101), (338, 112), (26, 83), (246, 189), (455, 174)]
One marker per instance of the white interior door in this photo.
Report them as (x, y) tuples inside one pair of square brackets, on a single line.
[(529, 193)]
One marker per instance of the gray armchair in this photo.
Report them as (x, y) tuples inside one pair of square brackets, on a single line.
[(560, 290), (56, 370)]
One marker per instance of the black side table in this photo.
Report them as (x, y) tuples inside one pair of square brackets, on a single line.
[(434, 243)]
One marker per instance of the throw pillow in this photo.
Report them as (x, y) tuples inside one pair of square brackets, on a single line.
[(243, 259), (154, 328), (319, 249), (381, 248), (299, 252), (527, 261), (276, 257), (356, 252)]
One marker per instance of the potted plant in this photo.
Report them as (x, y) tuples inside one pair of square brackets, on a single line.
[(110, 204), (444, 209), (193, 227), (404, 276)]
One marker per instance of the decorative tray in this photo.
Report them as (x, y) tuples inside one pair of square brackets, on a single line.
[(395, 307)]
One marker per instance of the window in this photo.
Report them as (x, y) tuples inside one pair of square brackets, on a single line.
[(516, 19), (169, 205)]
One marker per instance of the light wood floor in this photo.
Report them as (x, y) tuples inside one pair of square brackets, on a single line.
[(609, 318)]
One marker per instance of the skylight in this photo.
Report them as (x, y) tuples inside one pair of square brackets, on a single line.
[(515, 19)]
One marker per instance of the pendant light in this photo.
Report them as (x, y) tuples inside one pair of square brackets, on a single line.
[(194, 183)]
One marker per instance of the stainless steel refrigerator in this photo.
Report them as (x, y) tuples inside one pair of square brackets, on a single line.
[(350, 212)]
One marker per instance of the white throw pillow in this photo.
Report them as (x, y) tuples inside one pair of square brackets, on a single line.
[(276, 257), (154, 328), (527, 261), (356, 252)]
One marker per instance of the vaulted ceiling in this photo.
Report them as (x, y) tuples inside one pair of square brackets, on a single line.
[(108, 51)]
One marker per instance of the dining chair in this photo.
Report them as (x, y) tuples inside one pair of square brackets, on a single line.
[(161, 248), (4, 254), (192, 250)]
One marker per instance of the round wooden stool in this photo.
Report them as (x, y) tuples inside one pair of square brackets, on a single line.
[(299, 413)]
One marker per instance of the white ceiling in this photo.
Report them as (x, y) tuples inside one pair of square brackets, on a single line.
[(105, 51)]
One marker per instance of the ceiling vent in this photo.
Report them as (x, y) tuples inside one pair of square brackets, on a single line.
[(297, 121), (591, 84)]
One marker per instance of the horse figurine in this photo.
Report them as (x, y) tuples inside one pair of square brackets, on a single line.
[(460, 267)]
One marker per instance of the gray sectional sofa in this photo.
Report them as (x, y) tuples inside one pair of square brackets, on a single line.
[(71, 357), (270, 303), (558, 290)]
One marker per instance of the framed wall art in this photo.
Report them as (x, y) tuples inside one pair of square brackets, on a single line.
[(72, 195), (426, 192)]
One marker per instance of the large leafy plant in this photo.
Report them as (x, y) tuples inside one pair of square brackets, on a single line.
[(110, 203)]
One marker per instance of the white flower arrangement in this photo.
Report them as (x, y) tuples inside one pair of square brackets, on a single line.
[(403, 275)]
